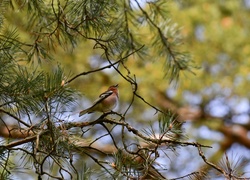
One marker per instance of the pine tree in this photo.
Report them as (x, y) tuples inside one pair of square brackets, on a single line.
[(38, 96)]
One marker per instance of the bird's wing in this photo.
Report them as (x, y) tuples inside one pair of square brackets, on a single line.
[(102, 97), (99, 100)]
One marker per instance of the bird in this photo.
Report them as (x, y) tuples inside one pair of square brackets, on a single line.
[(106, 102)]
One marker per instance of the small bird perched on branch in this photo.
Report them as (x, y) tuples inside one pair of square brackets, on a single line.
[(106, 102)]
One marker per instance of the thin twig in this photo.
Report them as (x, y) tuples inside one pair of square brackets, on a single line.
[(105, 67), (16, 118), (209, 163)]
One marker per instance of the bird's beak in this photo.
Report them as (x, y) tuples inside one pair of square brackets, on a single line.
[(116, 85)]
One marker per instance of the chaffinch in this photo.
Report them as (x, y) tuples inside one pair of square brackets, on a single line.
[(106, 102)]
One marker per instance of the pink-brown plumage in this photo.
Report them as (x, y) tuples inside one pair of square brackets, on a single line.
[(106, 102)]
